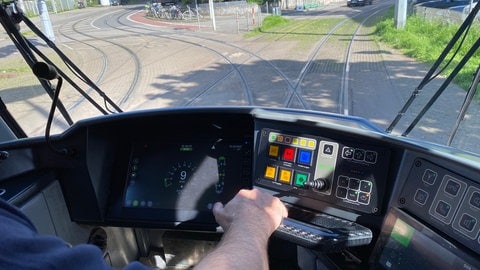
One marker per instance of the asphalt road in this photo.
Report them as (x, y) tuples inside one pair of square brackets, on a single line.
[(142, 64)]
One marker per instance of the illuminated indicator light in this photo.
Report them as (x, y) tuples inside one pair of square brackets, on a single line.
[(273, 150), (270, 172), (325, 167), (402, 232), (279, 138), (135, 203), (300, 178), (305, 157), (186, 148), (295, 141), (273, 137), (285, 176), (289, 154), (311, 143), (303, 142)]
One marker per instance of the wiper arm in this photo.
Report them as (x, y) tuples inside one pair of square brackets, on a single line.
[(428, 77), (10, 21), (77, 71)]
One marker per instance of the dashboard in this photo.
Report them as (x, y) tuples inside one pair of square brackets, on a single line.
[(346, 183)]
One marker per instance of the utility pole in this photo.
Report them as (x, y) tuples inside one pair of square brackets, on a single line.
[(45, 19), (400, 13), (212, 14)]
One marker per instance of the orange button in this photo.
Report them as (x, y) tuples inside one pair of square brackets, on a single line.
[(273, 150), (270, 172), (285, 176)]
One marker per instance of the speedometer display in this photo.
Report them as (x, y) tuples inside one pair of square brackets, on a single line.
[(178, 175), (188, 176)]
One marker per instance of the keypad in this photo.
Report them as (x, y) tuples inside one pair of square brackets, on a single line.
[(359, 155), (353, 189)]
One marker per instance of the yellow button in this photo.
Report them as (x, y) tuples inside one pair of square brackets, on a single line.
[(303, 142), (295, 141), (311, 143), (270, 172), (273, 150), (285, 176)]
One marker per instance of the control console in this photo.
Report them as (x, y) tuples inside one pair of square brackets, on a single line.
[(345, 174)]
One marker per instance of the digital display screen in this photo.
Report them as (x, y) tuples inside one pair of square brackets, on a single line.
[(186, 177), (407, 244)]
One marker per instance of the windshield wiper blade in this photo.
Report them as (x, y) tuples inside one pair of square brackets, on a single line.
[(463, 29), (466, 103), (442, 88)]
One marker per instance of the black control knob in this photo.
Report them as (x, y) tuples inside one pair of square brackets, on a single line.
[(318, 184), (3, 155)]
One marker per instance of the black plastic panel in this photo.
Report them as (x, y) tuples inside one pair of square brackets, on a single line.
[(173, 169), (446, 200), (405, 243)]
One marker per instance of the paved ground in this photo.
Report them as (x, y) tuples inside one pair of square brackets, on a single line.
[(403, 75)]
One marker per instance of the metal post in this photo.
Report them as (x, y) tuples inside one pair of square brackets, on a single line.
[(45, 19), (238, 22), (400, 13), (212, 14), (198, 14), (21, 5), (248, 22)]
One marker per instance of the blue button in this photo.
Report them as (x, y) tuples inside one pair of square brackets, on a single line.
[(305, 157)]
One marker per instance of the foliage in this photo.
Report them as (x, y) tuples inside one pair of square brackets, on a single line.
[(269, 23), (425, 40), (260, 2)]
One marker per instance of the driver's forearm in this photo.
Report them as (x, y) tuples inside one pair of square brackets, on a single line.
[(238, 250)]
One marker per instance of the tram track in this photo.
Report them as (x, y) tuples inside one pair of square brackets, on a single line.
[(104, 52), (295, 85), (103, 56), (215, 51), (294, 96)]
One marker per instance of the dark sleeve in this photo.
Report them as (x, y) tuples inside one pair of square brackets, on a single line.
[(23, 248)]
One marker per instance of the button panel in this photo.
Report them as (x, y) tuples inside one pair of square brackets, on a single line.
[(353, 189), (342, 174), (444, 199), (291, 159), (467, 219), (447, 199)]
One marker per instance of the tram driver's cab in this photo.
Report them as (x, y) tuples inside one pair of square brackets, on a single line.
[(141, 186), (357, 197)]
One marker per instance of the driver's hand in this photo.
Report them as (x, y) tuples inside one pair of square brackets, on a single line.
[(251, 211)]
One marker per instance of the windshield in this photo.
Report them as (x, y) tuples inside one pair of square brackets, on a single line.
[(326, 56)]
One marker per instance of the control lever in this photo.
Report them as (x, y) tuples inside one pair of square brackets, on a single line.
[(305, 235), (318, 184), (322, 232)]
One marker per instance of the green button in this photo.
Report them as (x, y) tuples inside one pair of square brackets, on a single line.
[(300, 178)]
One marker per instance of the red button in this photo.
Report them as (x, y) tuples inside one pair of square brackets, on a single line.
[(289, 154)]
